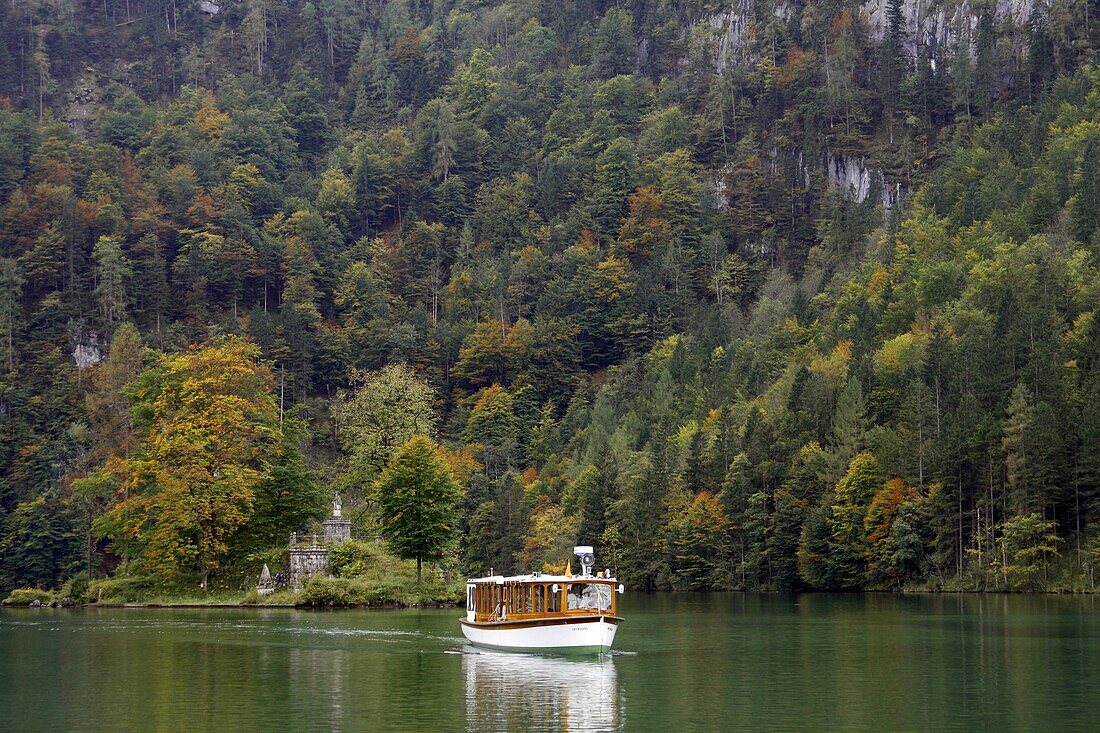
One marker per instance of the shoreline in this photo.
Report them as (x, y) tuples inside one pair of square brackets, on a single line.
[(256, 606), (259, 606), (393, 605)]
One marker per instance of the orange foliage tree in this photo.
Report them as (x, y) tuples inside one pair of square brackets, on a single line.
[(211, 429)]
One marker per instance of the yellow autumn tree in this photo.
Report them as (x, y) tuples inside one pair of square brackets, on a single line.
[(209, 120), (884, 567), (697, 537), (550, 537), (210, 429), (644, 227)]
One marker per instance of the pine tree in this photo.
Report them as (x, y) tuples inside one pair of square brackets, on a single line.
[(1033, 453), (849, 425), (11, 292), (112, 273)]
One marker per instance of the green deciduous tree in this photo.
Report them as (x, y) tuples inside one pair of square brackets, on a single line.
[(418, 502), (385, 410)]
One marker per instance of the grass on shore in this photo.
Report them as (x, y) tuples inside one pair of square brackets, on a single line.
[(364, 574)]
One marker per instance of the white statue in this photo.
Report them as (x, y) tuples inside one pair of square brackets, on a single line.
[(336, 504)]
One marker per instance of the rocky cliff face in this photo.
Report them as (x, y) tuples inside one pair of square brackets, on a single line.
[(938, 24), (929, 23), (859, 181), (941, 25)]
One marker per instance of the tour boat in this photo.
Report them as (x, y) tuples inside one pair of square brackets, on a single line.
[(544, 613)]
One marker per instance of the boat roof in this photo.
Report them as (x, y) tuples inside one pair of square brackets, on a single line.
[(540, 578)]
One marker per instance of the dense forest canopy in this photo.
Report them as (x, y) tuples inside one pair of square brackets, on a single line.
[(748, 295)]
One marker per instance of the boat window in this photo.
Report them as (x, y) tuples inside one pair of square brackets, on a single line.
[(589, 596), (540, 605), (553, 604), (470, 598)]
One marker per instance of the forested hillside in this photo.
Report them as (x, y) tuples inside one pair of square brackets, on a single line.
[(761, 295)]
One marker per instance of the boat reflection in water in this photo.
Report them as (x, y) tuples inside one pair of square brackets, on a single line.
[(506, 691)]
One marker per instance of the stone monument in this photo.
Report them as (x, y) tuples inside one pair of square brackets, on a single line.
[(337, 529), (307, 559), (266, 585)]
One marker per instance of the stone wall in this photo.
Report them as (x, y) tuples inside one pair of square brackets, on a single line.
[(307, 561), (337, 530)]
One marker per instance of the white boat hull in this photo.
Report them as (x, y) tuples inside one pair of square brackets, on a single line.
[(587, 635)]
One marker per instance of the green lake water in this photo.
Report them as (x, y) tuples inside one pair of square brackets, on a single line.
[(721, 662)]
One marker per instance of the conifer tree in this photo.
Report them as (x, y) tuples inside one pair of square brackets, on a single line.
[(893, 61), (848, 542), (849, 425), (1033, 453), (112, 274), (11, 287)]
